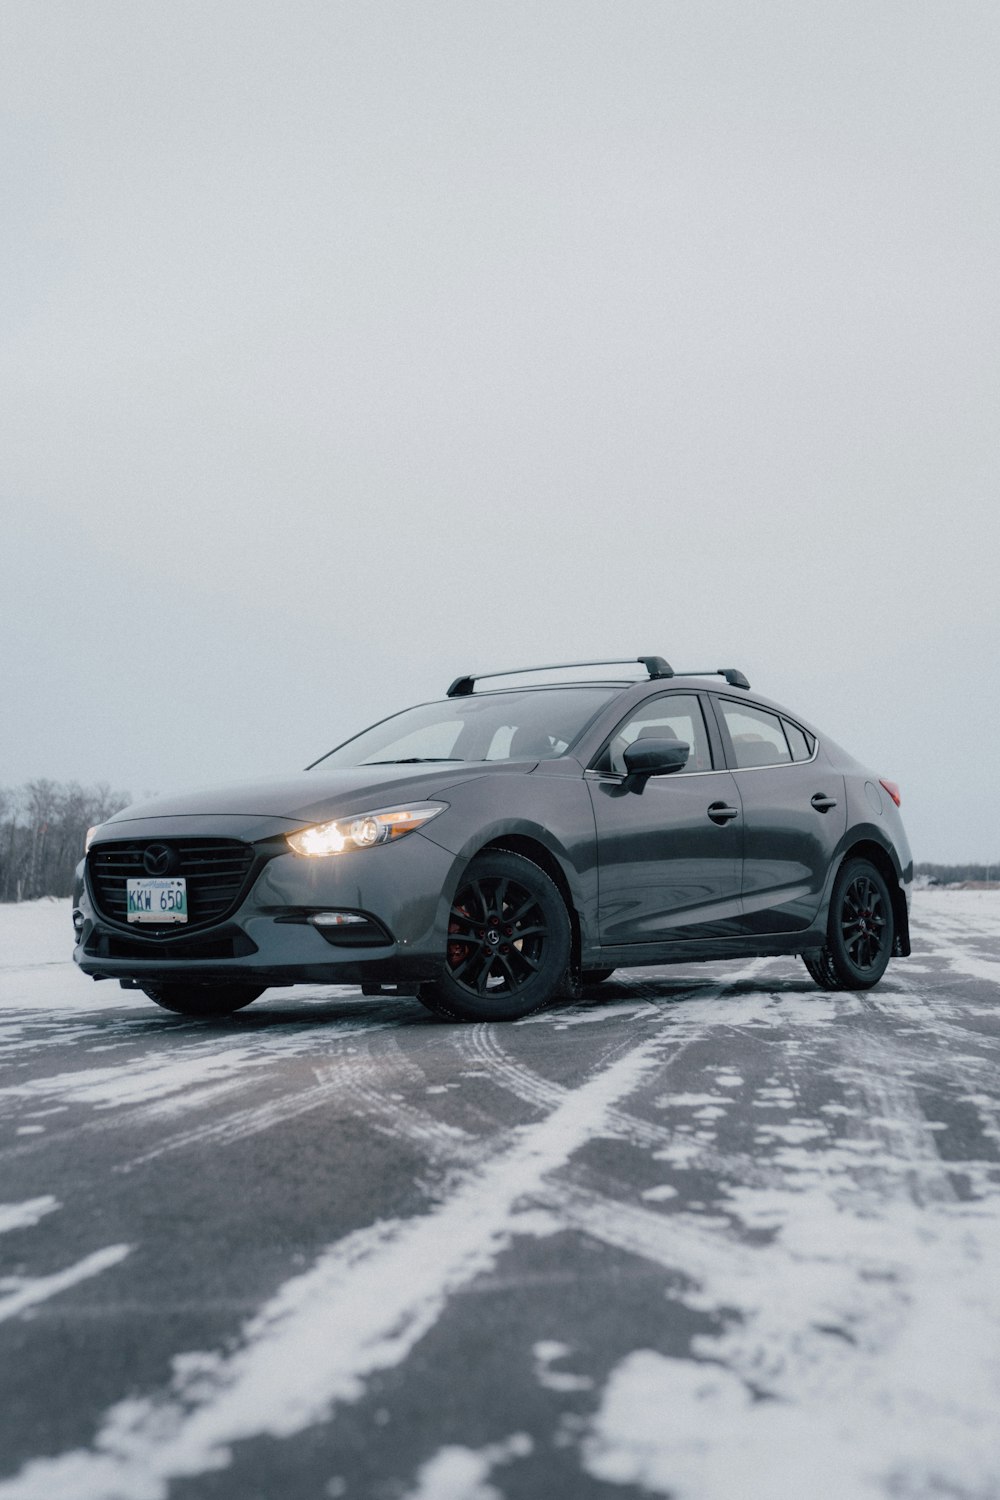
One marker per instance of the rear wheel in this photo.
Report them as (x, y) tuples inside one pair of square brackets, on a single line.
[(508, 943), (860, 932), (203, 999)]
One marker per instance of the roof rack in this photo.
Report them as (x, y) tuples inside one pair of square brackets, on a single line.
[(734, 677), (655, 666)]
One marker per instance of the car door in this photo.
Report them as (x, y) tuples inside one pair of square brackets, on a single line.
[(669, 852), (794, 815)]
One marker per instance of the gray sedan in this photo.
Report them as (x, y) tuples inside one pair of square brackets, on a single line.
[(503, 846)]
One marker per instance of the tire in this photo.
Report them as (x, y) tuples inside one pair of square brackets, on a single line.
[(508, 943), (596, 976), (820, 967), (203, 999), (860, 931)]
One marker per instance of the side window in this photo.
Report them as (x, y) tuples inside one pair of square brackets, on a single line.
[(800, 743), (674, 716), (757, 736)]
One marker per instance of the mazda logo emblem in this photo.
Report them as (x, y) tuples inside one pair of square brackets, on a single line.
[(158, 860)]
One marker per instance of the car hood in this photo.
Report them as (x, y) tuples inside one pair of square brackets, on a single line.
[(311, 796)]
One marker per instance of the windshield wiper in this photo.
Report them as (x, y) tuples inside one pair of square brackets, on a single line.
[(415, 760)]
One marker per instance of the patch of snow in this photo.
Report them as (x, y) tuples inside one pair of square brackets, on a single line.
[(457, 1473), (152, 1077), (725, 1079), (685, 1101), (24, 1215), (975, 968), (24, 1292), (661, 1194), (548, 1352), (36, 932)]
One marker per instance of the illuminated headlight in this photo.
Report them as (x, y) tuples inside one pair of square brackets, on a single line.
[(364, 831), (90, 837)]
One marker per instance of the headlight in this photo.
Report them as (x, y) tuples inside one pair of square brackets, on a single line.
[(364, 831), (90, 837)]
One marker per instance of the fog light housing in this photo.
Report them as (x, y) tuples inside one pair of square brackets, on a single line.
[(350, 929)]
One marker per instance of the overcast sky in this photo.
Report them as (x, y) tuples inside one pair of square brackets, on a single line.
[(349, 347)]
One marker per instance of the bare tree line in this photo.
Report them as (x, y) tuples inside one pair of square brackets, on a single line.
[(43, 825), (953, 874)]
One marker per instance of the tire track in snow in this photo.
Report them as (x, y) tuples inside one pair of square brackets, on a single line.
[(934, 1052), (374, 1082), (354, 1078), (138, 1092), (362, 1307), (484, 1044)]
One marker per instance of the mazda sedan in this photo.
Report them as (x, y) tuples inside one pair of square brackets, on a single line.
[(505, 846)]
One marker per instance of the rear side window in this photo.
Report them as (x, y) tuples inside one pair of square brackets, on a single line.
[(757, 736), (800, 743)]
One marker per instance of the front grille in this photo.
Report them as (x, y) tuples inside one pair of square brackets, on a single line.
[(217, 872)]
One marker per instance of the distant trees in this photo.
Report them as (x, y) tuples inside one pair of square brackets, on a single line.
[(952, 874), (42, 830)]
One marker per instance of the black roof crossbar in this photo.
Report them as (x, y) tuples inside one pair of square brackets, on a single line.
[(733, 677), (655, 666)]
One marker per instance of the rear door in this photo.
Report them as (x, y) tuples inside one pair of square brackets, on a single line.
[(794, 815), (669, 855)]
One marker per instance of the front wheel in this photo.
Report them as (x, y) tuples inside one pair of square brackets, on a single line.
[(203, 999), (860, 932), (508, 943)]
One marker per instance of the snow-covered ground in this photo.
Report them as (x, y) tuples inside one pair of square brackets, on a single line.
[(36, 967), (807, 1187)]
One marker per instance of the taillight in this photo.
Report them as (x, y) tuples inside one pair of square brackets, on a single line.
[(892, 789)]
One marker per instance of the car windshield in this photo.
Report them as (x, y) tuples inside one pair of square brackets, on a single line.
[(534, 724)]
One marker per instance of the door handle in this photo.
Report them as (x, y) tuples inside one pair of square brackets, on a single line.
[(721, 812), (823, 804)]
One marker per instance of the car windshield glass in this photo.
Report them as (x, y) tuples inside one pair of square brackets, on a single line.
[(538, 724)]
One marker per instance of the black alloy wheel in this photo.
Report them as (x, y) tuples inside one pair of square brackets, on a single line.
[(860, 933), (508, 945), (203, 999)]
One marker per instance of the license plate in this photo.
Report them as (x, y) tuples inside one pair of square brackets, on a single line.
[(156, 900)]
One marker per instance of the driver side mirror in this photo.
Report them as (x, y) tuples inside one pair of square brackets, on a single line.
[(651, 757)]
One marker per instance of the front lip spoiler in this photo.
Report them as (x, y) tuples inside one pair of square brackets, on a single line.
[(355, 969)]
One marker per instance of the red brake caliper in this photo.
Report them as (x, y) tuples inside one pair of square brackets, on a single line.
[(458, 950)]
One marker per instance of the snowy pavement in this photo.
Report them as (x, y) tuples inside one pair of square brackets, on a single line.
[(710, 1234)]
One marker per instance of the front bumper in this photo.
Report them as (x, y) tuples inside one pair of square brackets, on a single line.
[(406, 887)]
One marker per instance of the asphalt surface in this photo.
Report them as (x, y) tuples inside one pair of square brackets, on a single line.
[(709, 1232)]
